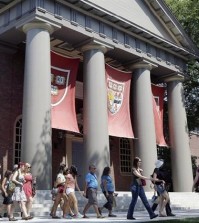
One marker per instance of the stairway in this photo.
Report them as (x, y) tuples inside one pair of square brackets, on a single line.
[(180, 201)]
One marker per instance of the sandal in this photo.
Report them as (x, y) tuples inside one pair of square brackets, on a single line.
[(26, 218), (100, 216), (12, 219)]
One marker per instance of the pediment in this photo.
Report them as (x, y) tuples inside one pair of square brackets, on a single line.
[(151, 16)]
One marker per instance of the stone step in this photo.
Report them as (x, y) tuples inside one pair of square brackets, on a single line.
[(179, 201)]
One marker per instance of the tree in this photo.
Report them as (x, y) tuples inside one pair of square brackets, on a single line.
[(187, 13)]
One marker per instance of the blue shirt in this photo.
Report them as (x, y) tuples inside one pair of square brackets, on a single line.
[(109, 183), (91, 180)]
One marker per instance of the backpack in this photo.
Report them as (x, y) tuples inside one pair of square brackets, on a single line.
[(11, 187)]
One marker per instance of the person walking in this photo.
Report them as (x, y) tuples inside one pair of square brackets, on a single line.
[(90, 191), (28, 187), (138, 190), (70, 185), (19, 194), (160, 187), (59, 185), (166, 176), (7, 201), (108, 189)]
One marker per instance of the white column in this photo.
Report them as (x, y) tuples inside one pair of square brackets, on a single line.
[(36, 126), (96, 139), (178, 133), (143, 118)]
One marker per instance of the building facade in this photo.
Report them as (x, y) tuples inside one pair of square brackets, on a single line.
[(138, 36)]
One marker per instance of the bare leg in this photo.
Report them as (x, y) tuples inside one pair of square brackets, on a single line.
[(29, 205), (96, 210), (55, 205), (73, 201), (23, 208), (10, 210), (66, 208), (86, 209)]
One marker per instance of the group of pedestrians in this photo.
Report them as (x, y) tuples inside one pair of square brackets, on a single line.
[(17, 188), (64, 192)]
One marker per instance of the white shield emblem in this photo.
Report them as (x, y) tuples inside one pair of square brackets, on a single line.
[(59, 84), (115, 95)]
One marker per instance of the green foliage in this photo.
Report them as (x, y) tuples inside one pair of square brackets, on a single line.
[(187, 12), (191, 88)]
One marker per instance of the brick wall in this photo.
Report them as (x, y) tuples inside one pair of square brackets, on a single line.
[(11, 91)]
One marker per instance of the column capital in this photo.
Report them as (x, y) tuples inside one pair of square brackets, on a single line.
[(141, 63), (93, 44), (38, 25), (174, 77)]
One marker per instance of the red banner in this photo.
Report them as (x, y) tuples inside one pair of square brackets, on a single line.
[(63, 78), (118, 89), (158, 100)]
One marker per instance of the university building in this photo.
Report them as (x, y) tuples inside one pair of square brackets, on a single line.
[(140, 40)]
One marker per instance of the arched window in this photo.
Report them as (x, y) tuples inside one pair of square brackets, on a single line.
[(125, 156), (17, 142)]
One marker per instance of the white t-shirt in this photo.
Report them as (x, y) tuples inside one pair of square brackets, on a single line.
[(62, 178)]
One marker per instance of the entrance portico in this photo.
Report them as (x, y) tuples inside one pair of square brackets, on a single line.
[(81, 23)]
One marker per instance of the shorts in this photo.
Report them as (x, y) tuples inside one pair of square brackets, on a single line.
[(160, 188), (69, 190), (7, 200), (91, 193)]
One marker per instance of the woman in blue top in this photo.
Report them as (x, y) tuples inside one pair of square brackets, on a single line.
[(108, 190)]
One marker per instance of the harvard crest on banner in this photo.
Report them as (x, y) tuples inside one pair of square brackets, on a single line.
[(63, 79), (118, 89), (115, 95)]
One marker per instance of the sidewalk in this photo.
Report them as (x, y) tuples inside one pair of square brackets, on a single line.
[(141, 216)]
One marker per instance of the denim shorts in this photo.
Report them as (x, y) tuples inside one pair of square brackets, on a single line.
[(160, 188)]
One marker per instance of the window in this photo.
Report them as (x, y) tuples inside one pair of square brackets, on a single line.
[(17, 148), (125, 156)]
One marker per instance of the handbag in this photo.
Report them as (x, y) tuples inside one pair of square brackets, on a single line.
[(11, 187), (143, 182), (33, 191)]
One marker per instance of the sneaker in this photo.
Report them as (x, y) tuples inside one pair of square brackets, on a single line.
[(112, 215), (68, 216), (55, 217), (131, 218), (77, 216), (154, 216), (171, 214), (85, 216)]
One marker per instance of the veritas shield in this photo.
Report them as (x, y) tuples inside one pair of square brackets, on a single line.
[(115, 95), (59, 84)]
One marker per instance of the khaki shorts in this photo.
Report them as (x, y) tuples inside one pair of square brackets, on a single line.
[(91, 194)]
